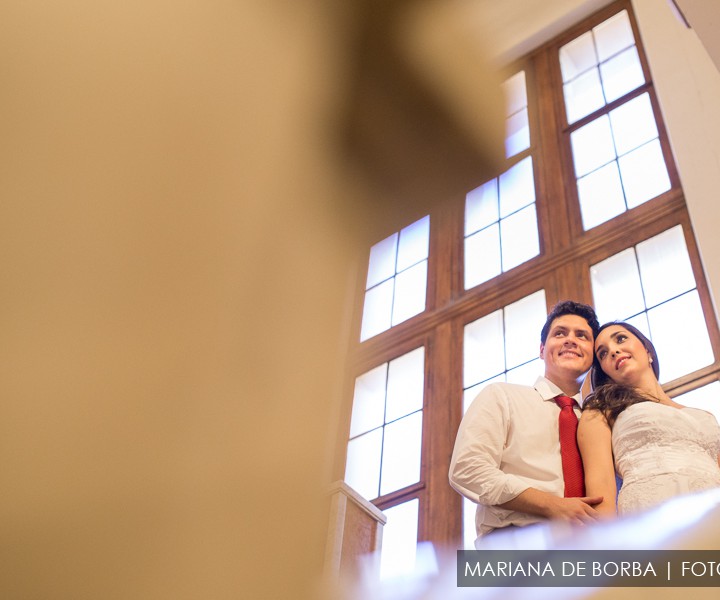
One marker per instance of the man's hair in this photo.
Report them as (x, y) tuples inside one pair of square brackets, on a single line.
[(569, 307)]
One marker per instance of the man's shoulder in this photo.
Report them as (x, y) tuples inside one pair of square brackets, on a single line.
[(501, 389)]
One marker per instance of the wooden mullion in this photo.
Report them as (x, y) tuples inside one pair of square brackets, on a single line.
[(440, 427)]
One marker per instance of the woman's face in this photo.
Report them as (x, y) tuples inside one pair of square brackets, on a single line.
[(622, 356)]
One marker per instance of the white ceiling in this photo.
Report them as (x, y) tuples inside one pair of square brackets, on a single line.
[(512, 28)]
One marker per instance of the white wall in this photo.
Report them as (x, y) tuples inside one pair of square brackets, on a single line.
[(688, 88)]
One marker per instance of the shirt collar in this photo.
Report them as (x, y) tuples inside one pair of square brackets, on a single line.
[(548, 390)]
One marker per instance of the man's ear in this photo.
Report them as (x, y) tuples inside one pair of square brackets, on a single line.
[(542, 350)]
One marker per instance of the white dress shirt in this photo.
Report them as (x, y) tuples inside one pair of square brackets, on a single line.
[(508, 441)]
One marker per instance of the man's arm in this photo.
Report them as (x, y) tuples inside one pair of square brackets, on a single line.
[(549, 506), (475, 467)]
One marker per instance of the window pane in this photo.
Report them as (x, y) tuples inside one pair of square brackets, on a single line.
[(515, 92), (680, 336), (362, 471), (577, 57), (401, 453), (413, 245), (406, 382), (521, 319), (641, 322), (644, 175), (517, 187), (481, 207), (482, 356), (633, 124), (621, 74), (517, 136), (382, 261), (527, 374), (410, 288), (616, 287), (706, 398), (665, 268), (472, 392), (601, 196), (368, 409), (583, 95), (482, 256), (613, 35), (469, 531), (592, 146), (399, 542), (519, 236), (377, 310)]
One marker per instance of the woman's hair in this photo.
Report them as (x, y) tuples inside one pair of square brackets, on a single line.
[(612, 398)]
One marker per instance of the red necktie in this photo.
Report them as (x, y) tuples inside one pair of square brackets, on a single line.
[(571, 461)]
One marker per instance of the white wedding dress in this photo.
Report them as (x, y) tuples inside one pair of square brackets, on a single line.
[(661, 451)]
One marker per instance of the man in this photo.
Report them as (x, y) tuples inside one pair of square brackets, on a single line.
[(507, 454)]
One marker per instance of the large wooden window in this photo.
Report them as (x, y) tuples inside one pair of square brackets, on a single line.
[(588, 206)]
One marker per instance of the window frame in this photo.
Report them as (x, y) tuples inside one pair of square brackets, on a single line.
[(562, 269)]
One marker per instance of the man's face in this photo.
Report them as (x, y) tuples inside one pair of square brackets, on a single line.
[(568, 349)]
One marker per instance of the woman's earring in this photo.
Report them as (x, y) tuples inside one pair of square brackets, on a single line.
[(651, 360)]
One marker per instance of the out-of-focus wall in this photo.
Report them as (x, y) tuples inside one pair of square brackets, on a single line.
[(177, 237), (173, 267)]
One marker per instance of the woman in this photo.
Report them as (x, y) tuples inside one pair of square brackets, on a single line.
[(658, 447)]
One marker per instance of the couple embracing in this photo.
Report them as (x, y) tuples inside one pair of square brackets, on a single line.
[(521, 455)]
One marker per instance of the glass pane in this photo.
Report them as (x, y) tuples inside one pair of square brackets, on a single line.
[(583, 95), (601, 196), (469, 532), (644, 175), (472, 392), (482, 358), (481, 207), (665, 268), (517, 187), (680, 336), (399, 541), (527, 374), (382, 261), (413, 245), (406, 384), (515, 92), (401, 453), (592, 146), (616, 287), (521, 317), (621, 74), (362, 471), (517, 133), (519, 236), (613, 35), (377, 310), (706, 398), (633, 124), (577, 57), (641, 322), (410, 288), (482, 256), (368, 411)]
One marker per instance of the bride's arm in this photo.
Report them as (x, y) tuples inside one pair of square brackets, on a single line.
[(594, 440)]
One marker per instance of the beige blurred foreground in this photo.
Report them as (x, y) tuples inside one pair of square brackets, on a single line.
[(184, 188)]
